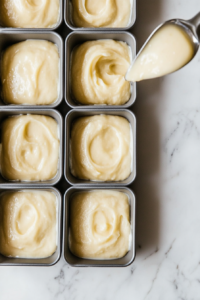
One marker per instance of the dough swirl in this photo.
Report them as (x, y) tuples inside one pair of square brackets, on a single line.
[(99, 224), (30, 73), (98, 70), (101, 148), (30, 148), (104, 13), (28, 224), (29, 13)]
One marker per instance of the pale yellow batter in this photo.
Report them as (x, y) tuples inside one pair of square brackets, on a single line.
[(99, 224), (29, 13), (28, 224), (30, 148), (101, 148), (104, 13), (167, 51), (30, 73), (98, 70)]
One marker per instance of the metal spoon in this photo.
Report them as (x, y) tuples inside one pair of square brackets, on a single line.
[(190, 27)]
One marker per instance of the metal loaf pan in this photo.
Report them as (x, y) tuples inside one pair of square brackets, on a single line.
[(8, 38), (40, 29), (70, 117), (69, 22), (80, 262), (77, 38), (48, 112), (48, 261)]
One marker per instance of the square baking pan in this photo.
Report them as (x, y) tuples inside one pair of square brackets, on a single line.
[(77, 38), (39, 29), (75, 261), (48, 261), (74, 114), (8, 38), (69, 22), (5, 113)]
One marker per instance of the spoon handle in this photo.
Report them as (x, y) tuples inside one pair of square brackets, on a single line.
[(195, 21)]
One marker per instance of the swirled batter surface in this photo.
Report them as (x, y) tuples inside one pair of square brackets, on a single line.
[(104, 13), (30, 73), (30, 148), (98, 70), (28, 224), (101, 148), (29, 13), (99, 224)]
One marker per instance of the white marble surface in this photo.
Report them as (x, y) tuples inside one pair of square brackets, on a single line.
[(167, 266)]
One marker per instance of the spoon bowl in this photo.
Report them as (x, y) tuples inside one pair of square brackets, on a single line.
[(189, 27)]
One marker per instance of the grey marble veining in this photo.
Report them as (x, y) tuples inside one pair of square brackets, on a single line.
[(167, 188)]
